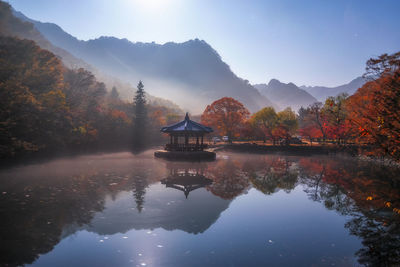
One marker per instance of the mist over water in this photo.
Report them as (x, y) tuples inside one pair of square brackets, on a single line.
[(122, 209)]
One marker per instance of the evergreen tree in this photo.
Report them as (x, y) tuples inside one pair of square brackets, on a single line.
[(114, 93), (140, 119)]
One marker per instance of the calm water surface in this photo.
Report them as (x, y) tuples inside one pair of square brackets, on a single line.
[(240, 210)]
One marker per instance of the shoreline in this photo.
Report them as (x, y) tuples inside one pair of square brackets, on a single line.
[(354, 151), (295, 149)]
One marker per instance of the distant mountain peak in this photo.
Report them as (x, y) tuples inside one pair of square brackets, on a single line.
[(274, 81), (322, 92), (286, 95)]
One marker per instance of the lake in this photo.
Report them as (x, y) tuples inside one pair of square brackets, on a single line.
[(121, 209)]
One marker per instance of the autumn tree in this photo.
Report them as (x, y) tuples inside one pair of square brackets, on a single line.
[(335, 115), (226, 115), (374, 108), (317, 118), (33, 110), (266, 119), (287, 124), (84, 96), (47, 107), (307, 126)]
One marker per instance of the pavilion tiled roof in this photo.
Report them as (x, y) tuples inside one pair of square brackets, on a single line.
[(186, 125)]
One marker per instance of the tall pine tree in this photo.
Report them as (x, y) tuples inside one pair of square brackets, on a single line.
[(140, 119), (114, 93)]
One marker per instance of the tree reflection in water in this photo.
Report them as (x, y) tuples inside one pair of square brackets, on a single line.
[(229, 179), (272, 173), (370, 194), (40, 205)]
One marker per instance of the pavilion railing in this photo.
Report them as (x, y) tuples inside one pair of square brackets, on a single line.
[(185, 147)]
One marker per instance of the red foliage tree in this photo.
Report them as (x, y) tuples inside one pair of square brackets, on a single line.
[(374, 109), (226, 115)]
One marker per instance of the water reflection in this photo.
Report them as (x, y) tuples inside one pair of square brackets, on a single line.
[(369, 194), (270, 174), (116, 193), (229, 180), (187, 179)]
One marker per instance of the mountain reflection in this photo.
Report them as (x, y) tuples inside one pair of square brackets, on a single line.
[(44, 203), (165, 207)]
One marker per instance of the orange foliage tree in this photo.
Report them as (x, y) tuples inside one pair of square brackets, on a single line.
[(374, 109), (226, 115)]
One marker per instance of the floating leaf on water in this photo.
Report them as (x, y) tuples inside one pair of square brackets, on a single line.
[(124, 237), (160, 246)]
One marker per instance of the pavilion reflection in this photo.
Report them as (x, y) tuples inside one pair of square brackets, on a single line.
[(42, 204), (186, 179)]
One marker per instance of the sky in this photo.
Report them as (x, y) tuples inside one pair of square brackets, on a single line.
[(308, 42)]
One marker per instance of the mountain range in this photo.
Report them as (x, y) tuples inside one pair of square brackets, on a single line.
[(192, 73), (286, 95), (322, 92)]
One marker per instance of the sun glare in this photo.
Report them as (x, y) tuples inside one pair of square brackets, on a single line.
[(153, 4)]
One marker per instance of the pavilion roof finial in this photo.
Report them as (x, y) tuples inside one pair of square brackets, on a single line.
[(186, 125)]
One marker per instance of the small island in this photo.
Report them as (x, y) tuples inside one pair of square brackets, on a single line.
[(186, 141)]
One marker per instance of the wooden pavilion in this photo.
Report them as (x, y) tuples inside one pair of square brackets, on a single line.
[(186, 135), (186, 140)]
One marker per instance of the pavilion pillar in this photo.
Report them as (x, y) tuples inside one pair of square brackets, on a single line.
[(170, 139), (186, 141), (197, 140), (202, 142)]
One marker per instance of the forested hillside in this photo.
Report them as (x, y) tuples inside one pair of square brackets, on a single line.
[(45, 106)]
